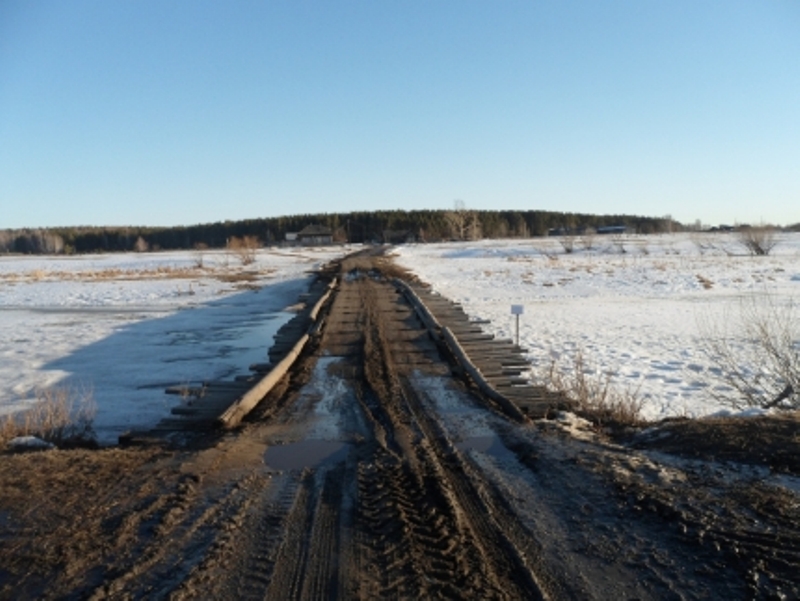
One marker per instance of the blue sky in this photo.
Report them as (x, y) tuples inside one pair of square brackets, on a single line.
[(162, 113)]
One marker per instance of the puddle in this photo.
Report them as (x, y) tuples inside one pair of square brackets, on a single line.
[(305, 453), (225, 349), (255, 340)]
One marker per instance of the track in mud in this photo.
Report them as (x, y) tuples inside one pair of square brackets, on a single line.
[(376, 504), (372, 473)]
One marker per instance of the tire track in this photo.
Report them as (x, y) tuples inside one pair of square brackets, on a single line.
[(406, 508), (487, 560)]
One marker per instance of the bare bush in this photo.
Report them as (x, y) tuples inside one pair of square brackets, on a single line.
[(756, 354), (198, 254), (244, 248), (618, 242), (568, 243), (758, 241), (60, 415), (588, 238), (597, 396)]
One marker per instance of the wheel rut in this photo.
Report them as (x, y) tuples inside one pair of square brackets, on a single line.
[(370, 472)]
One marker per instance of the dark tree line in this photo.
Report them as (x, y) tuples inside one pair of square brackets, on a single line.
[(361, 226)]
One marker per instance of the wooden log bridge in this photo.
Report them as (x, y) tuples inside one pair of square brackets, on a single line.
[(492, 364), (225, 403), (495, 366)]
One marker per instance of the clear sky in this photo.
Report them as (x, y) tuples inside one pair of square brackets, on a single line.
[(153, 112)]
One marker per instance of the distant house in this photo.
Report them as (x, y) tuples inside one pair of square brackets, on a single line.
[(611, 229), (291, 236), (315, 235), (398, 237)]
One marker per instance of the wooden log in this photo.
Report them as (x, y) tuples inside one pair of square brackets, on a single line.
[(427, 318), (473, 338), (510, 408), (239, 409)]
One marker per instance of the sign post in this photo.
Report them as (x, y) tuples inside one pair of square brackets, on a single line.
[(517, 310)]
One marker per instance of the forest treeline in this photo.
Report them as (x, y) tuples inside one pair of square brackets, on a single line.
[(366, 226)]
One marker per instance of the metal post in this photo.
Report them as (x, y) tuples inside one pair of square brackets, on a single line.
[(517, 310)]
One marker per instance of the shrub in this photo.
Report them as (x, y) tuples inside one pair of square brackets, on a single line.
[(756, 353), (244, 248), (61, 415), (588, 238), (597, 397), (568, 243), (618, 241), (759, 241)]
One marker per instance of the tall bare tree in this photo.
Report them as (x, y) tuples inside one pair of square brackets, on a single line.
[(463, 223)]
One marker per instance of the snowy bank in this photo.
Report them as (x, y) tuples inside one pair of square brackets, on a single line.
[(125, 326), (635, 306)]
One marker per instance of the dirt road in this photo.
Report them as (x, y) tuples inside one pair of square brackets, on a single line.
[(372, 473)]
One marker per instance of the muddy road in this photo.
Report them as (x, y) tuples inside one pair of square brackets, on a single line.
[(371, 472)]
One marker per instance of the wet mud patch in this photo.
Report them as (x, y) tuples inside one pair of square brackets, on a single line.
[(769, 441), (487, 445), (365, 476), (305, 454), (58, 510)]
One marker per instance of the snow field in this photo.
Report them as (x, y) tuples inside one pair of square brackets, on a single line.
[(635, 307), (125, 326)]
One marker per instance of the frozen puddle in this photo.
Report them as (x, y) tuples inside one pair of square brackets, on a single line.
[(120, 356), (119, 327), (305, 454)]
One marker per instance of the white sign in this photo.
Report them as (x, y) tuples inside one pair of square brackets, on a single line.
[(517, 309)]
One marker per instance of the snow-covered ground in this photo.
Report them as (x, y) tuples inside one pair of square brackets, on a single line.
[(634, 306), (125, 326), (122, 327)]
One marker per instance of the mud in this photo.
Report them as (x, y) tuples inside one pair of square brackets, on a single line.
[(370, 472)]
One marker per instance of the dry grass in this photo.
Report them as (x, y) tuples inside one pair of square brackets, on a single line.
[(596, 396), (705, 282), (242, 276), (164, 272), (244, 248), (61, 415)]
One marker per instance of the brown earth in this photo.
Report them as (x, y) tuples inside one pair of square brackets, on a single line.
[(372, 473), (772, 442)]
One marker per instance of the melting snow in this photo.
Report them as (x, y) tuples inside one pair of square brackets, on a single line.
[(125, 326), (637, 315)]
